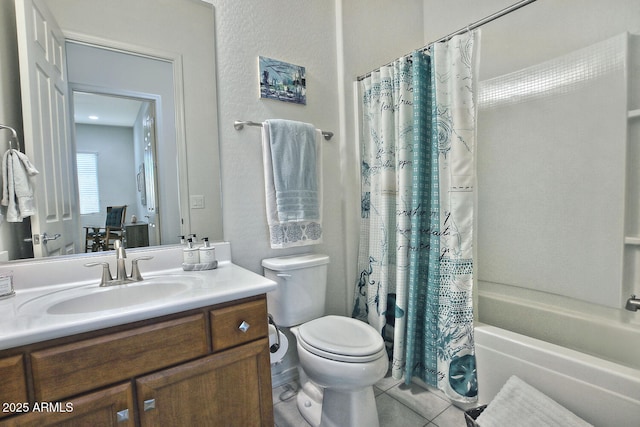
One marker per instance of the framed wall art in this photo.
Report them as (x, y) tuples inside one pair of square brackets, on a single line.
[(282, 81)]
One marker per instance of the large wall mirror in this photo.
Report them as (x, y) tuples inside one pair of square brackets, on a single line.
[(111, 58)]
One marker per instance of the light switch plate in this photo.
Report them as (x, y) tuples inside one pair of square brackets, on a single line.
[(197, 202)]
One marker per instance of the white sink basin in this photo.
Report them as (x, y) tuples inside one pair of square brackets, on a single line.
[(116, 297), (93, 298)]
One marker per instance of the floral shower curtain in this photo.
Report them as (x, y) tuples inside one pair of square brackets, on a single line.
[(418, 171)]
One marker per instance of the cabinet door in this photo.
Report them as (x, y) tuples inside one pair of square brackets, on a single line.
[(13, 391), (230, 388), (110, 407)]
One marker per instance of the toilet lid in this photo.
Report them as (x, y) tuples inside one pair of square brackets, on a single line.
[(341, 338)]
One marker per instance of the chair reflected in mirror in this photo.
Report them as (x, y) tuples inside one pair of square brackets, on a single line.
[(102, 238)]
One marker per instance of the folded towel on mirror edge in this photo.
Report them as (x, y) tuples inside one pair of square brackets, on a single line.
[(519, 404), (292, 160)]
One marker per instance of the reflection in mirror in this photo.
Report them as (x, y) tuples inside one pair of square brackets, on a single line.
[(157, 191), (126, 75), (115, 146)]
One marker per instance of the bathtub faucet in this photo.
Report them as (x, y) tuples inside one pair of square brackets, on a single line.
[(633, 303)]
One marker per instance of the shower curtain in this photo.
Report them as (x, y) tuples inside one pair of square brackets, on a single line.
[(415, 259)]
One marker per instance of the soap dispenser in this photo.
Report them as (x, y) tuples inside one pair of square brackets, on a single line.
[(190, 254), (207, 252)]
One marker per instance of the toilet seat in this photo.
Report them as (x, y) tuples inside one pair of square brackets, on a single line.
[(341, 339)]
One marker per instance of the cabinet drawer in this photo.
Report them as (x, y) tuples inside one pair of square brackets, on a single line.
[(225, 324), (74, 368), (14, 386)]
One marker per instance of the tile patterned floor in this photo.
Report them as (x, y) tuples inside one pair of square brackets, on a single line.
[(399, 405)]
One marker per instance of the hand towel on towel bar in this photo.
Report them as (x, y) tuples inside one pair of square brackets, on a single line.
[(292, 157), (17, 193)]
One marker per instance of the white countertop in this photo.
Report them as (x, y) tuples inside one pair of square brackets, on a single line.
[(24, 318)]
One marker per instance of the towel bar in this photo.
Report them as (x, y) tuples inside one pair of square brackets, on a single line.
[(15, 136), (238, 125)]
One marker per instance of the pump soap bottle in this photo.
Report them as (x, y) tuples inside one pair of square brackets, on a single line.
[(190, 254), (207, 252)]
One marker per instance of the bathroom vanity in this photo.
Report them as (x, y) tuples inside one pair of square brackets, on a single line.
[(199, 357)]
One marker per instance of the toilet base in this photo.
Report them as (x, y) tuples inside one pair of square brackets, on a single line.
[(354, 408), (310, 404), (338, 408)]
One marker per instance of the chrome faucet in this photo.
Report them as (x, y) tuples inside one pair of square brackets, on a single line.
[(121, 255), (121, 269), (633, 303)]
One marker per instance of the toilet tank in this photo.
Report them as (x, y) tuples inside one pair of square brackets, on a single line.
[(302, 285)]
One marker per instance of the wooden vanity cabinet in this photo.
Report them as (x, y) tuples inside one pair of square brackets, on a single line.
[(13, 388), (167, 371)]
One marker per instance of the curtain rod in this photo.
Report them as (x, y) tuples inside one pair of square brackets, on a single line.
[(469, 27)]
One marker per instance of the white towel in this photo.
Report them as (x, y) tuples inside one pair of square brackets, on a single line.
[(17, 193), (519, 404), (289, 233), (294, 158)]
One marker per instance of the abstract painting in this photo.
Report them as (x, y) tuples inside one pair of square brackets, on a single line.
[(282, 81)]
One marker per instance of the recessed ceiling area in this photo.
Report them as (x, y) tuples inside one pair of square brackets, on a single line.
[(107, 110)]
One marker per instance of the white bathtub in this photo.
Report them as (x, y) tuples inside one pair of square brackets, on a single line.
[(603, 393)]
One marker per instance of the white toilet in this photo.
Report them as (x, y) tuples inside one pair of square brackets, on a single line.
[(340, 358)]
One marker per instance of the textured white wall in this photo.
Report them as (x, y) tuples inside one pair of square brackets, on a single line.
[(329, 39), (372, 33), (302, 33)]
